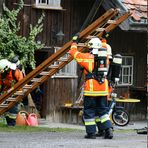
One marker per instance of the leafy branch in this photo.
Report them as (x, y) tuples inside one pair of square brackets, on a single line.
[(12, 44)]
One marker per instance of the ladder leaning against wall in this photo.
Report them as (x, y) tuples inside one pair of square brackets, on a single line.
[(106, 23)]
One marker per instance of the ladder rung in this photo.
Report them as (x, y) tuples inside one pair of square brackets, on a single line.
[(111, 21), (53, 66), (100, 29), (90, 36), (81, 44), (63, 59), (3, 105), (19, 93), (36, 80), (27, 86), (57, 48), (11, 99), (44, 73)]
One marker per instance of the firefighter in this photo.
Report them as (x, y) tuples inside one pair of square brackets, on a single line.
[(109, 60), (95, 87), (9, 75)]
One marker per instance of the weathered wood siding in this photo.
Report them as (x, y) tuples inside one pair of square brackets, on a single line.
[(57, 91), (134, 44)]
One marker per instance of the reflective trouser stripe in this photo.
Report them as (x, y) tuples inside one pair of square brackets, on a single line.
[(89, 121), (11, 116), (104, 118), (98, 119)]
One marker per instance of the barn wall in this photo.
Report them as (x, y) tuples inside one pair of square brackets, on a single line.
[(57, 91), (135, 44), (70, 21)]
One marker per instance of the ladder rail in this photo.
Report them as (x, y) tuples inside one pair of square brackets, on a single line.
[(53, 57), (118, 22), (69, 59), (92, 32), (91, 29)]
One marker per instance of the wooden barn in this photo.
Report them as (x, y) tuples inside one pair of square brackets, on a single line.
[(63, 19)]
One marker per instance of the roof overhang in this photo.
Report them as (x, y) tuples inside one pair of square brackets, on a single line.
[(132, 23)]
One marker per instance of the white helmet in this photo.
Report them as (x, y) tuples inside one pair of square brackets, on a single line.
[(95, 43), (4, 65), (109, 51)]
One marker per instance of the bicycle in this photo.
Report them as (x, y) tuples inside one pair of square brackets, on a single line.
[(118, 114)]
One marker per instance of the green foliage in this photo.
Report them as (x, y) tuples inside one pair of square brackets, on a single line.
[(5, 128), (12, 44)]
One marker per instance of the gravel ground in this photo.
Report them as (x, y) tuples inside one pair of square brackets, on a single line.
[(123, 138)]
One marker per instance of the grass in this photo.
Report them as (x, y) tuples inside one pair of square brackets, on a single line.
[(5, 128)]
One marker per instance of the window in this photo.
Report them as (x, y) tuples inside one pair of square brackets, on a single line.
[(69, 70), (51, 4), (126, 77)]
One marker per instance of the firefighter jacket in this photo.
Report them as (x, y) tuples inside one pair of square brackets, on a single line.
[(91, 86), (8, 79)]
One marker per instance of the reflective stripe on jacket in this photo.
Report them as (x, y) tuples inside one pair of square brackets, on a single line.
[(91, 87)]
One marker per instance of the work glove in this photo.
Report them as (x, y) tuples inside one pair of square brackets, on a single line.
[(75, 38)]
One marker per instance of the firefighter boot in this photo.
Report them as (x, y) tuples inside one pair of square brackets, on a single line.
[(90, 136), (108, 133), (100, 133)]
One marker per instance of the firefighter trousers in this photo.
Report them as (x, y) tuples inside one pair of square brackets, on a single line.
[(96, 114), (11, 115)]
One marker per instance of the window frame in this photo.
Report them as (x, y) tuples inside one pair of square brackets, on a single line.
[(130, 74), (53, 5)]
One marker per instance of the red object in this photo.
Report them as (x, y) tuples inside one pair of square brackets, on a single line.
[(32, 120), (103, 40), (9, 80), (21, 118)]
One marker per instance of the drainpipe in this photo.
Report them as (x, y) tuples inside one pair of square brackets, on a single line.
[(121, 5)]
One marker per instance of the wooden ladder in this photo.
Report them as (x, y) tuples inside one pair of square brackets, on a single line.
[(107, 22)]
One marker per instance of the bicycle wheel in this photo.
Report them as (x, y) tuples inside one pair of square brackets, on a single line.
[(120, 117)]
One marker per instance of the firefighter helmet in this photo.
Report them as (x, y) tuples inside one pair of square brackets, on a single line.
[(15, 59), (94, 43), (15, 62), (4, 65)]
